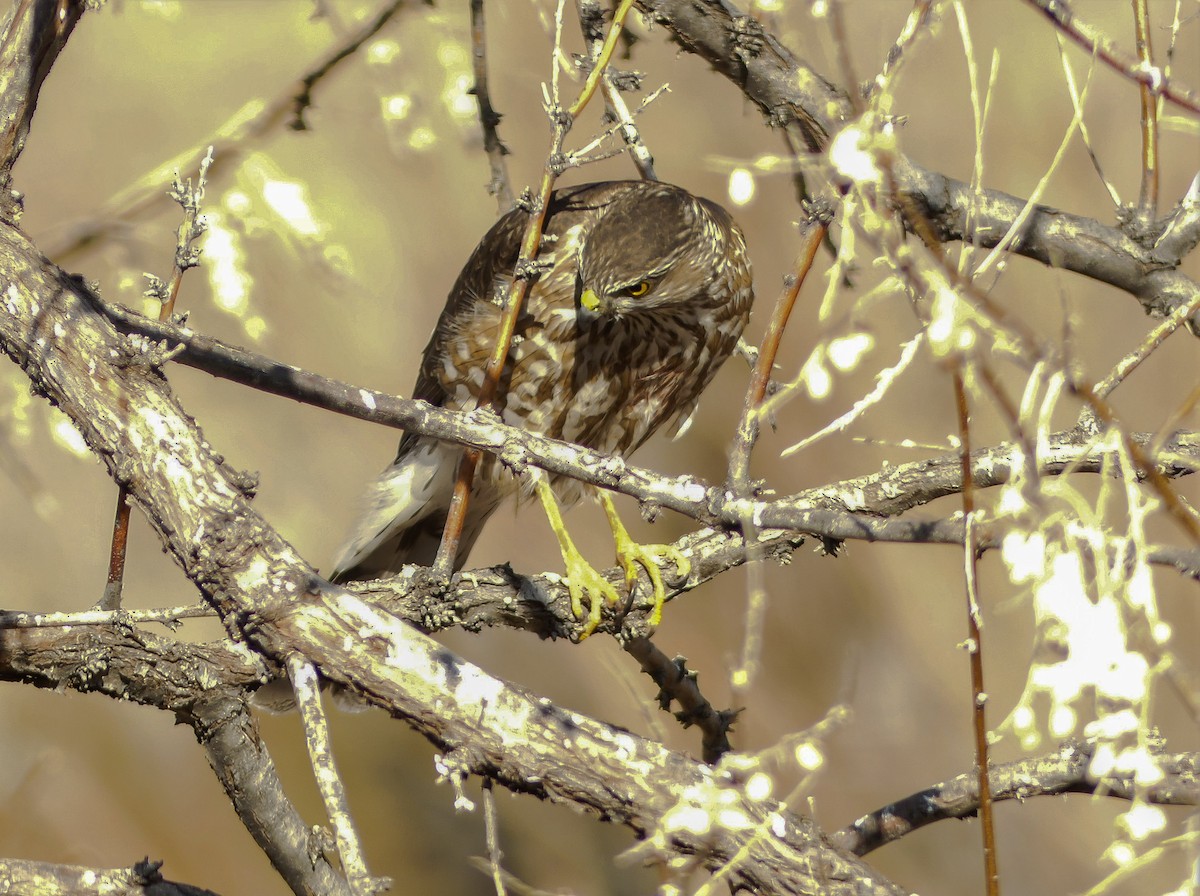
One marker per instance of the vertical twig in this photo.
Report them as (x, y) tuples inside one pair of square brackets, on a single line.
[(499, 185), (186, 257), (1148, 196), (743, 443), (492, 827), (837, 27), (975, 638), (523, 275)]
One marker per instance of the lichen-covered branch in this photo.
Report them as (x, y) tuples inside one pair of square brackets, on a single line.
[(1066, 771)]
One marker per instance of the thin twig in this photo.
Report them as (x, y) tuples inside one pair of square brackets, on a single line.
[(1156, 337), (677, 683), (841, 44), (168, 616), (1148, 197), (1097, 44), (303, 99), (738, 475), (499, 185), (747, 432), (304, 680), (1067, 771), (186, 257), (492, 832), (974, 642), (591, 21)]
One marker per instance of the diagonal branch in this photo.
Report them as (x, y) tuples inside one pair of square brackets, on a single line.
[(33, 35), (1067, 771), (848, 510)]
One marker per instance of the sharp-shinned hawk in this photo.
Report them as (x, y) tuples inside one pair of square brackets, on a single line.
[(642, 294)]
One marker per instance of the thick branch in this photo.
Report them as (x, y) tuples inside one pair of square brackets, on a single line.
[(47, 879), (204, 686), (34, 34)]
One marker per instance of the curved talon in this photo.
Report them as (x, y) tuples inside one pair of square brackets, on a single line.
[(584, 582), (650, 557)]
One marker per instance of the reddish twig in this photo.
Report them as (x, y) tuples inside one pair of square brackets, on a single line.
[(186, 257), (747, 432), (523, 275), (974, 642)]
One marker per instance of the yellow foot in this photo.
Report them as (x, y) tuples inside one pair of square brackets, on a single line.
[(649, 557), (583, 581)]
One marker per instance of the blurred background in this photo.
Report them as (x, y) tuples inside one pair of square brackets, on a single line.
[(333, 249)]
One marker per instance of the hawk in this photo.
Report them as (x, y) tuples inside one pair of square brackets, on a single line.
[(641, 294)]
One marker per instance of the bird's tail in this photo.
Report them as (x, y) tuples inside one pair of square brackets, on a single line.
[(405, 512)]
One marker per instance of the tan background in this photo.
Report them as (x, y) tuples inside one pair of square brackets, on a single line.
[(94, 782)]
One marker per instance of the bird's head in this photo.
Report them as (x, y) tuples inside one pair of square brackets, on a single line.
[(652, 248)]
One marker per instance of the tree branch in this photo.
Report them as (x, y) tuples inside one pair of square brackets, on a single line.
[(1067, 771), (47, 879), (848, 510), (33, 35), (791, 94)]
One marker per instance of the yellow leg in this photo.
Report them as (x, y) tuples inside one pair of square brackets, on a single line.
[(582, 579), (650, 557)]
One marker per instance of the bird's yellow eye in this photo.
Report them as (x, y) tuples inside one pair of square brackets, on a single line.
[(639, 289)]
